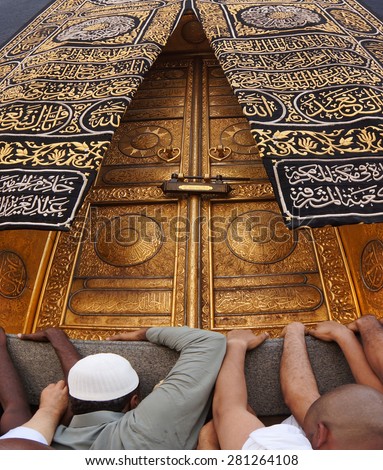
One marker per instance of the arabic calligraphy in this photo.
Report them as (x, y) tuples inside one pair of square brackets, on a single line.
[(280, 44), (86, 71), (307, 78), (67, 79), (346, 197), (268, 300), (35, 118), (372, 265), (13, 275), (262, 106), (346, 104), (36, 183), (98, 29), (303, 79), (280, 17), (329, 189), (352, 20), (44, 193), (290, 60), (333, 173)]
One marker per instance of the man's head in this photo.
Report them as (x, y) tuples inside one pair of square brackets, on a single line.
[(102, 381), (348, 417)]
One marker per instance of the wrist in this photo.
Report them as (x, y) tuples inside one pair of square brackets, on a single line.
[(143, 333), (295, 332), (236, 344), (51, 413), (342, 335)]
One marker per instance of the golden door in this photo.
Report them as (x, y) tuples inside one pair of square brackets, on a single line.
[(141, 256), (213, 254)]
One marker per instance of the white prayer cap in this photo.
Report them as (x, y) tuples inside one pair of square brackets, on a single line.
[(102, 377)]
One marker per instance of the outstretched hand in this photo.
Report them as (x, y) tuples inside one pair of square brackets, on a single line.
[(246, 338), (39, 336), (137, 335), (329, 330), (364, 320)]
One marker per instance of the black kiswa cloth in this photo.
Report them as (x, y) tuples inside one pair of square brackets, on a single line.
[(327, 191), (49, 197), (66, 81), (309, 78)]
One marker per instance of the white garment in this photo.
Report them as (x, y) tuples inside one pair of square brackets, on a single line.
[(287, 435), (23, 432)]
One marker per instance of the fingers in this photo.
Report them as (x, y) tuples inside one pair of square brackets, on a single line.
[(118, 337), (138, 335), (353, 326), (359, 323), (55, 397), (56, 387), (246, 338), (38, 336), (257, 340)]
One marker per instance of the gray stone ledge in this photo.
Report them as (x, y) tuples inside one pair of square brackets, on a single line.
[(38, 366)]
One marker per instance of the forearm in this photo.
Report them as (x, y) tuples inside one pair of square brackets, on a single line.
[(231, 386), (45, 422), (298, 383), (66, 352), (371, 332), (201, 350), (356, 358)]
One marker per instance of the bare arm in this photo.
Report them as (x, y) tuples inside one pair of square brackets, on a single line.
[(53, 403), (298, 383), (371, 332), (232, 420), (66, 352), (13, 397), (352, 350)]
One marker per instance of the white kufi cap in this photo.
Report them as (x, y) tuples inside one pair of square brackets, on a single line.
[(102, 377)]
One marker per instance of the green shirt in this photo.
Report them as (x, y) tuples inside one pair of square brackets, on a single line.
[(171, 416)]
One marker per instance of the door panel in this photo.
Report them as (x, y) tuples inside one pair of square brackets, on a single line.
[(256, 273), (364, 249), (138, 257)]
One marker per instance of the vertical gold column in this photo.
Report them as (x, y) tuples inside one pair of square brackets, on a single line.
[(193, 259)]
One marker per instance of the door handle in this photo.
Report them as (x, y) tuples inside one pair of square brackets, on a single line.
[(220, 153)]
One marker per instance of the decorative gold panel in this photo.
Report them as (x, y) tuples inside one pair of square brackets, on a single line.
[(363, 246), (256, 273), (24, 255), (127, 268)]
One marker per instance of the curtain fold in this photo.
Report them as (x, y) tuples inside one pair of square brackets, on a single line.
[(65, 82), (309, 77)]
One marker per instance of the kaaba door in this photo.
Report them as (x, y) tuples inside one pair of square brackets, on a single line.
[(137, 256)]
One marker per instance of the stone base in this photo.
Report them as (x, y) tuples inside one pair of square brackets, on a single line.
[(38, 366)]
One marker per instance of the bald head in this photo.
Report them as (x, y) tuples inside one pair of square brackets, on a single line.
[(348, 417)]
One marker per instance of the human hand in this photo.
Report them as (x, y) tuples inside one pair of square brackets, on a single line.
[(329, 331), (363, 320), (246, 338), (54, 398), (137, 335), (39, 336)]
